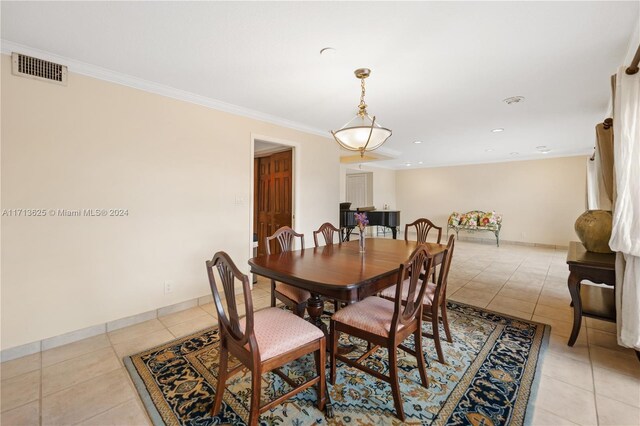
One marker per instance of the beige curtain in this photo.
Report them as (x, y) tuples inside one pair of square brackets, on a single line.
[(604, 146)]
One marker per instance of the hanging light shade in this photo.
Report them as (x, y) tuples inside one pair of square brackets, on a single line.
[(362, 133)]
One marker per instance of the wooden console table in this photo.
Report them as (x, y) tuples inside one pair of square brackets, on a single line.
[(599, 301)]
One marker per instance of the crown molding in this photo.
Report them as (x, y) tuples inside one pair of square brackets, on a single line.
[(94, 71), (528, 157)]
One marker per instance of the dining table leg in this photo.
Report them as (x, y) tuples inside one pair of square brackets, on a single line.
[(315, 308)]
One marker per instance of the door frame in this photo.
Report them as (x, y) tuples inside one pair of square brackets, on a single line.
[(295, 158)]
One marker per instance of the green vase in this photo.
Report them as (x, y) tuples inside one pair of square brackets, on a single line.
[(594, 230)]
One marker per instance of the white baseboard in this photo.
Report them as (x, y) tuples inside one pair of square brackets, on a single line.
[(84, 333)]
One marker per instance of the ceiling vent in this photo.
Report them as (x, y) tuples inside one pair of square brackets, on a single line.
[(39, 69), (513, 100)]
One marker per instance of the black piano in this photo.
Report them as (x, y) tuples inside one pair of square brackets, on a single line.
[(387, 218)]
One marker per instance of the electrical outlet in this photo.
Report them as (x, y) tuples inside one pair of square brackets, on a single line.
[(168, 287)]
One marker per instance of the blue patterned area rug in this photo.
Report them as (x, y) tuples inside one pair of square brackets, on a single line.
[(489, 379)]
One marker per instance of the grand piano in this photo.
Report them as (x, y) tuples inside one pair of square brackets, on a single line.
[(387, 218)]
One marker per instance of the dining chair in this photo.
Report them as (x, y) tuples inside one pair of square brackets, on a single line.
[(328, 231), (386, 323), (423, 226), (262, 341), (434, 301), (293, 297)]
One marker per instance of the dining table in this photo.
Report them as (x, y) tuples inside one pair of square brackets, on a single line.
[(340, 271)]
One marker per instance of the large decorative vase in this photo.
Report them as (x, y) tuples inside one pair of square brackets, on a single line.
[(594, 230), (362, 242)]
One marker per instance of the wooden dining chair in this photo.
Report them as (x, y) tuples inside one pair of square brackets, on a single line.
[(435, 301), (262, 341), (387, 323), (423, 226), (293, 297), (328, 231)]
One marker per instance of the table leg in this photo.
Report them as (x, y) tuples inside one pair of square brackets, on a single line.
[(315, 307), (574, 289)]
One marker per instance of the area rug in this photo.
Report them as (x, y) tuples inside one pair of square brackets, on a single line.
[(489, 378)]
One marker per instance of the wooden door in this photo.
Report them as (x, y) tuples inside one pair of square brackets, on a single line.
[(274, 207)]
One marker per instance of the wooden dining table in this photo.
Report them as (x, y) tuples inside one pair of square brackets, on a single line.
[(340, 271)]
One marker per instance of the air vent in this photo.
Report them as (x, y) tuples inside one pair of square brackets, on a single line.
[(513, 100), (39, 69)]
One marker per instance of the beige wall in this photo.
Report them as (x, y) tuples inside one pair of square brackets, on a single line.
[(177, 167), (539, 200)]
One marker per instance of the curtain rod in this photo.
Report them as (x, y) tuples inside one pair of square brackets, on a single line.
[(633, 68)]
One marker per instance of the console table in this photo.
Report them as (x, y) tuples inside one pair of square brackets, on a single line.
[(599, 302)]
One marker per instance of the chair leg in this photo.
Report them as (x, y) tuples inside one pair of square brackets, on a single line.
[(420, 357), (321, 364), (395, 383), (333, 350), (436, 335), (273, 293), (222, 379), (254, 410), (445, 320)]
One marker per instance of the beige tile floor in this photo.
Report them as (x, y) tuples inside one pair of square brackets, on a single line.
[(594, 382)]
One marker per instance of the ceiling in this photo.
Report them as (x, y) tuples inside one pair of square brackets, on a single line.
[(440, 70)]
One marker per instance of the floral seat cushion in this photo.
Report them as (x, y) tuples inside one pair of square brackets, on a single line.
[(469, 220), (489, 220)]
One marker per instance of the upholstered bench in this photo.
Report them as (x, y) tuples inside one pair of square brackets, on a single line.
[(476, 220)]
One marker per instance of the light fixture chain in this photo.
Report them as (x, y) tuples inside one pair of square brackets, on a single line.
[(363, 106)]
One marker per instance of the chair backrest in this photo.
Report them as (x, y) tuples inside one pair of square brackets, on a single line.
[(441, 285), (416, 268), (423, 226), (328, 231), (228, 316), (285, 237)]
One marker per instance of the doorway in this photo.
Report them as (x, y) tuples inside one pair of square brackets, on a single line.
[(273, 191)]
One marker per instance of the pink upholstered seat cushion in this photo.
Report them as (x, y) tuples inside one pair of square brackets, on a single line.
[(373, 314), (278, 331), (429, 294), (294, 293)]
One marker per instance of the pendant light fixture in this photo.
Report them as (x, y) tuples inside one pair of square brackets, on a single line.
[(362, 133)]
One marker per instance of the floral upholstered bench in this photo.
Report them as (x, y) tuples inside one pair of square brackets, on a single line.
[(476, 220)]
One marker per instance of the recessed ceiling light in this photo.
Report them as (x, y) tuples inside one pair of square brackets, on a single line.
[(543, 149), (497, 130), (513, 100), (407, 164), (327, 51), (419, 162), (417, 141), (513, 153), (488, 150)]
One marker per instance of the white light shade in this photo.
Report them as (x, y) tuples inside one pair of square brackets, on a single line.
[(355, 134)]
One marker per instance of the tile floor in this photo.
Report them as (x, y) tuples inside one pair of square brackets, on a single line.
[(594, 383)]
